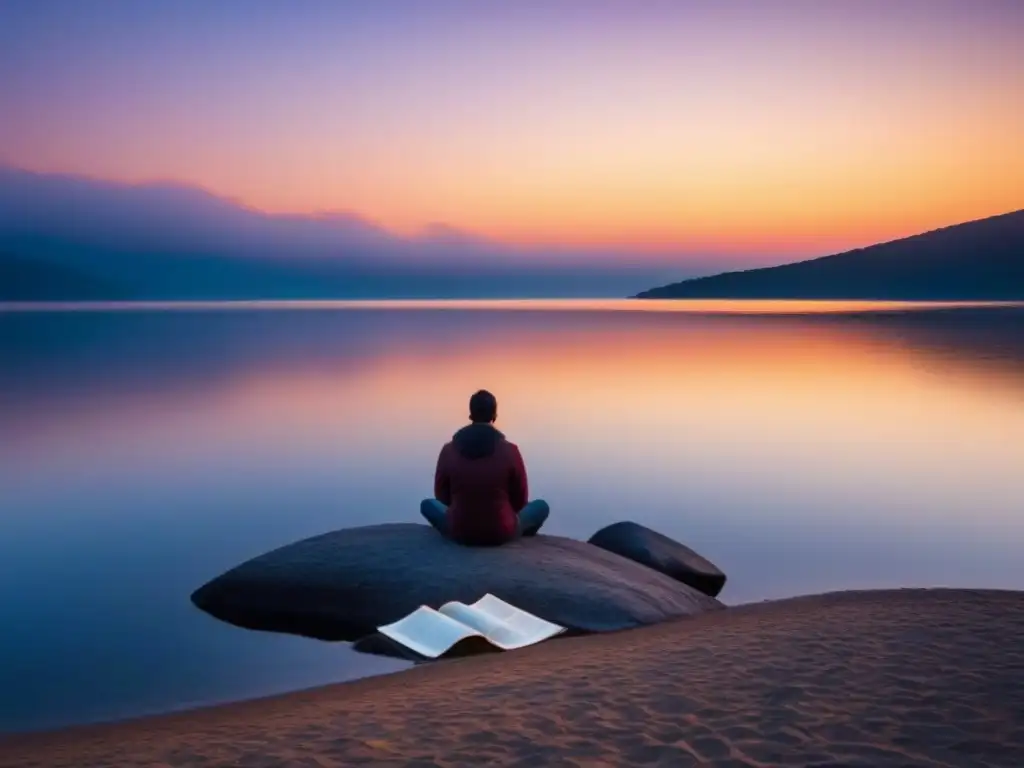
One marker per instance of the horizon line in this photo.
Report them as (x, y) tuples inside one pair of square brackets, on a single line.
[(552, 304)]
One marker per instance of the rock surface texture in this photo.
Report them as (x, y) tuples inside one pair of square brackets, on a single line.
[(342, 585)]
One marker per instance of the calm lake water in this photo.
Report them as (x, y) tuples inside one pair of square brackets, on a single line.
[(145, 450)]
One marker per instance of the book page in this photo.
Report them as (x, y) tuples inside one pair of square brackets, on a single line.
[(495, 630), (519, 620), (428, 632), (502, 624)]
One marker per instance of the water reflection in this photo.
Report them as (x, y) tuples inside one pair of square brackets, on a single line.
[(144, 452)]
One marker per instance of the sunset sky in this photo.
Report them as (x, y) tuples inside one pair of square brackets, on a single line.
[(782, 128)]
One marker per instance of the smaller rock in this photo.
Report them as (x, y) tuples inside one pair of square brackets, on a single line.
[(665, 555)]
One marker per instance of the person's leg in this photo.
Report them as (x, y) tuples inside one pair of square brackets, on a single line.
[(436, 514), (532, 517)]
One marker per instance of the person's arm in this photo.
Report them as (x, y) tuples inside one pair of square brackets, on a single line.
[(519, 486), (442, 481)]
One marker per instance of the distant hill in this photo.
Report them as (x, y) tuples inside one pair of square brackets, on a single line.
[(977, 260), (30, 280), (66, 237)]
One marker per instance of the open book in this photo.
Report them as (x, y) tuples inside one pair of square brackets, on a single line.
[(431, 633)]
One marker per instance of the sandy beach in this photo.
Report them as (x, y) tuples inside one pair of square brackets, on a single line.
[(881, 678)]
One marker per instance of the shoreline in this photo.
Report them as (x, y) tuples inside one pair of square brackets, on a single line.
[(861, 677)]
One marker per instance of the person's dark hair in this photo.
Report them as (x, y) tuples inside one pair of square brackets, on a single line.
[(483, 407)]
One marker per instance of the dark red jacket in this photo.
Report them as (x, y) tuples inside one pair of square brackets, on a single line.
[(481, 478)]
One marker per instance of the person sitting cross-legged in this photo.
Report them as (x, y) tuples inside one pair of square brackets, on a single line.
[(480, 487)]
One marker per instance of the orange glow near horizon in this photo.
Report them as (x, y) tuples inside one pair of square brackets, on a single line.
[(689, 129), (764, 204)]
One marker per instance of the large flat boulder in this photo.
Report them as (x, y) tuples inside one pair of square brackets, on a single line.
[(665, 555), (342, 585)]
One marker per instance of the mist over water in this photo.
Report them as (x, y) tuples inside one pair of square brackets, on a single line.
[(143, 452)]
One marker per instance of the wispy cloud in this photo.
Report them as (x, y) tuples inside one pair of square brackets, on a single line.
[(165, 238)]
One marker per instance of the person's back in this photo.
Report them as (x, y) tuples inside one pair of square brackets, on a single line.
[(480, 485), (481, 476)]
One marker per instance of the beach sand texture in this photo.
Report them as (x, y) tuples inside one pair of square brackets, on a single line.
[(874, 679)]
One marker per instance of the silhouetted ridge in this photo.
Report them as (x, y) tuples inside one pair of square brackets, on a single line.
[(977, 260)]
